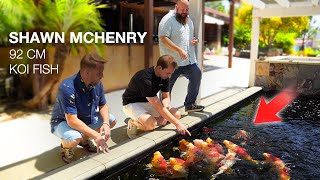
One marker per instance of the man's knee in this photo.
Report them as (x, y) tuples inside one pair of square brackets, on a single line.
[(148, 122), (175, 112), (177, 115), (196, 72), (113, 123), (71, 136)]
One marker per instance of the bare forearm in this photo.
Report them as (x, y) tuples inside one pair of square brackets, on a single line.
[(166, 102), (104, 112), (165, 113)]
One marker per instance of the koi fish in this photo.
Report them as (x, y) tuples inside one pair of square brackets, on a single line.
[(211, 153), (242, 134), (279, 165), (158, 163), (240, 151), (192, 155), (218, 146), (226, 163), (177, 168), (183, 145)]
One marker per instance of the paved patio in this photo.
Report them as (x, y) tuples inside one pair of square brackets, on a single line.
[(35, 151)]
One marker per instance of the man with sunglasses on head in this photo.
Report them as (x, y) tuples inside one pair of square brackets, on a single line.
[(142, 104)]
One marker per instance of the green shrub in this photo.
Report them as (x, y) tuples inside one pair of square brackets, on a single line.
[(308, 51)]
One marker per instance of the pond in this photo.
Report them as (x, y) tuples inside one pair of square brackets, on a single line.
[(295, 140)]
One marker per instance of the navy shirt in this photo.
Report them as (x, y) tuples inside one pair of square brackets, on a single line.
[(75, 98)]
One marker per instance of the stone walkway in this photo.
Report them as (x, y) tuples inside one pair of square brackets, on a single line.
[(33, 151)]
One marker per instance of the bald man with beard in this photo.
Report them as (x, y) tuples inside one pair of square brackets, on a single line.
[(176, 32)]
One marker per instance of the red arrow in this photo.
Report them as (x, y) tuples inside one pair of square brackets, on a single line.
[(268, 112)]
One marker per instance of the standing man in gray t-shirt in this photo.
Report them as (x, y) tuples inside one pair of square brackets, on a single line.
[(176, 32)]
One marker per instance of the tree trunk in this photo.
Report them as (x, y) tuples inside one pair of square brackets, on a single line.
[(60, 55)]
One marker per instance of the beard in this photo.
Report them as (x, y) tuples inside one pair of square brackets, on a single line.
[(182, 19)]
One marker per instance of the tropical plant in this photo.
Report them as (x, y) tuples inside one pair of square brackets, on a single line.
[(216, 5), (269, 27), (15, 16), (285, 41), (309, 32), (65, 16), (62, 16), (242, 26)]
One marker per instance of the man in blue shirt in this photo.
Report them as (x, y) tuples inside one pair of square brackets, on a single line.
[(80, 113)]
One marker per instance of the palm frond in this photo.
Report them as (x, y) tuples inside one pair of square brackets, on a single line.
[(18, 15), (70, 16)]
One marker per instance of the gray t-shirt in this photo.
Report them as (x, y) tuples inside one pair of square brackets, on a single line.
[(181, 35)]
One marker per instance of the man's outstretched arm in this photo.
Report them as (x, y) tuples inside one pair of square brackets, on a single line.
[(166, 99), (165, 113), (106, 126), (77, 124)]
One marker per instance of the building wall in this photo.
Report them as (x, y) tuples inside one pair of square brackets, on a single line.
[(211, 35), (123, 62)]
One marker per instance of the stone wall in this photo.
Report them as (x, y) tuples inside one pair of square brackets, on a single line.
[(277, 75)]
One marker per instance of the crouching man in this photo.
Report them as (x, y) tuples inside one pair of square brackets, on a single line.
[(80, 114), (141, 103)]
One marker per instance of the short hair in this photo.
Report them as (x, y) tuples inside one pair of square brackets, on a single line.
[(179, 1), (166, 60), (91, 61)]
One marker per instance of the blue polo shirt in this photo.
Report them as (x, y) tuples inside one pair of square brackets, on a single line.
[(75, 98)]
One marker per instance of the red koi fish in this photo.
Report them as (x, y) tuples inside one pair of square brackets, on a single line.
[(190, 152), (240, 151), (279, 165), (216, 145), (242, 134), (211, 153), (177, 168), (192, 155), (158, 164)]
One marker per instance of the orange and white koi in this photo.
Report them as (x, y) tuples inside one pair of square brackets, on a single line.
[(189, 151), (226, 163), (183, 145), (279, 165), (242, 134), (211, 153), (240, 151)]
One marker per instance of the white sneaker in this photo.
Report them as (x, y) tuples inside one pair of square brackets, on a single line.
[(131, 129)]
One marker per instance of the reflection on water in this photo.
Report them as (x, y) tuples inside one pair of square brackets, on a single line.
[(296, 141)]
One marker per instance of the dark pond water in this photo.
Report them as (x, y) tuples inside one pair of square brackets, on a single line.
[(296, 141)]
